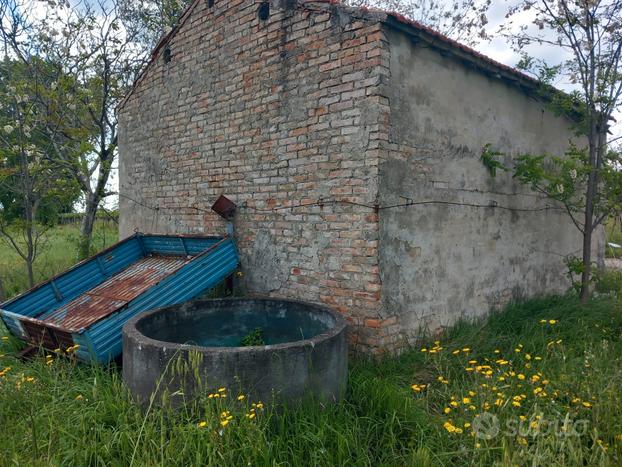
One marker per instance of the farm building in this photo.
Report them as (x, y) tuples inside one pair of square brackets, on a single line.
[(350, 141)]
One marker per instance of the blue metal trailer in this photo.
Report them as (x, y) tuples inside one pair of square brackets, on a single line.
[(86, 306)]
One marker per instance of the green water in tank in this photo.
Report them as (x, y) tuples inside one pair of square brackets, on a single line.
[(226, 328)]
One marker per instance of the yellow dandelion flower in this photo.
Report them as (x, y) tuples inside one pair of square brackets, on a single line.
[(449, 427), (202, 424), (478, 445), (586, 404), (473, 393), (456, 352), (552, 321), (466, 349), (446, 410), (516, 403), (222, 389), (251, 415), (467, 425), (521, 376), (79, 397), (453, 404), (424, 350), (259, 405), (466, 400), (5, 338), (241, 397), (527, 356), (497, 351), (224, 422)]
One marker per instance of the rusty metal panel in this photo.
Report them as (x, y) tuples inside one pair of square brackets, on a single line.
[(115, 293)]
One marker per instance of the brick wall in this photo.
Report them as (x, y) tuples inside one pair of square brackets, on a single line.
[(273, 114)]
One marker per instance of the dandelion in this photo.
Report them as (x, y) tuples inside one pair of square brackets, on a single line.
[(466, 350), (521, 376), (202, 424), (250, 415), (424, 350), (456, 352), (446, 410), (224, 423), (222, 390), (466, 400), (586, 404), (552, 321), (79, 397), (241, 397), (478, 445), (449, 427), (418, 387)]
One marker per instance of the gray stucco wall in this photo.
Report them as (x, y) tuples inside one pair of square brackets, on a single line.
[(439, 263)]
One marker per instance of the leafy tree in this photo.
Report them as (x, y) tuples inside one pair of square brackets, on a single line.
[(586, 180), (31, 188), (94, 54)]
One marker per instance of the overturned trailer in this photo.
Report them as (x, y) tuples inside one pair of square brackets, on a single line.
[(87, 305)]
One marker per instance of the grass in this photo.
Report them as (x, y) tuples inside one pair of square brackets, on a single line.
[(59, 251), (537, 384)]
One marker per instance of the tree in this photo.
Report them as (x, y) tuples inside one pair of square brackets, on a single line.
[(586, 180), (462, 20), (95, 53), (31, 188)]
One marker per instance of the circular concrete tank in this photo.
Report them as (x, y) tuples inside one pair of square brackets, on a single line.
[(193, 347)]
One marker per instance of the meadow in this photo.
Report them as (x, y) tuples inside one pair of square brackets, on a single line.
[(536, 384)]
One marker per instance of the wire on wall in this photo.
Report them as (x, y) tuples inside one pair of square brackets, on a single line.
[(321, 202)]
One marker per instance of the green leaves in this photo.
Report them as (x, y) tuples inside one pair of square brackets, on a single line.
[(489, 159)]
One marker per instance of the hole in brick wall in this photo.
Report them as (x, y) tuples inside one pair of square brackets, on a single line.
[(210, 3), (263, 11), (167, 55)]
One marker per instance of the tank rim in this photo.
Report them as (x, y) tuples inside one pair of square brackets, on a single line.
[(131, 331)]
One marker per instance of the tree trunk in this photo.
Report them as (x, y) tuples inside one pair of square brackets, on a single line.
[(31, 276), (86, 227), (588, 224)]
